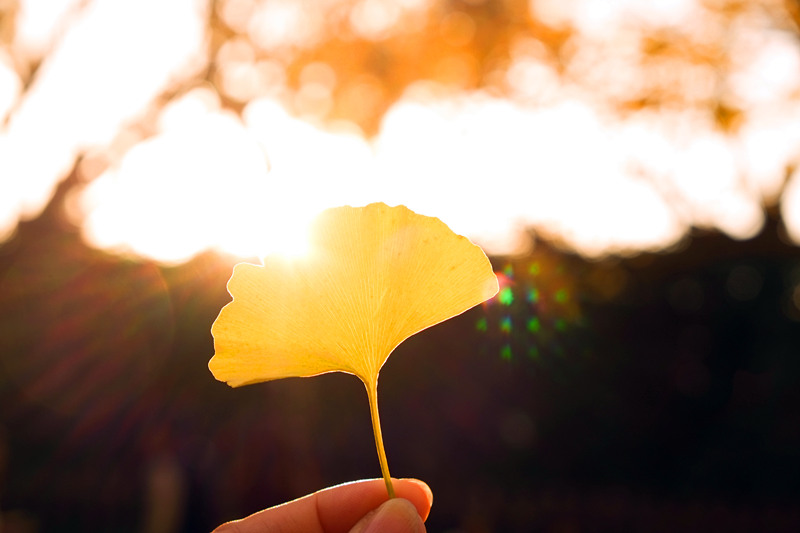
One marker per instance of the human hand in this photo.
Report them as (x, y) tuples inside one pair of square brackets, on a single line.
[(358, 507)]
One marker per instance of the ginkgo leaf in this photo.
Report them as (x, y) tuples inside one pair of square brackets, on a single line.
[(373, 277)]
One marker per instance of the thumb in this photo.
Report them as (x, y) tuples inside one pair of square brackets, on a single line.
[(393, 516)]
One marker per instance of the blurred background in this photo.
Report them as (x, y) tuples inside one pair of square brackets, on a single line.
[(630, 168)]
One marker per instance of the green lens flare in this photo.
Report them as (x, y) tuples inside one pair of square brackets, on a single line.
[(505, 352), (506, 296)]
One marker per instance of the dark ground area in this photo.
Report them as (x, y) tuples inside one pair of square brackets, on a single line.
[(655, 393)]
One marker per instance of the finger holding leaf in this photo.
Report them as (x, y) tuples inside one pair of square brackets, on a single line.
[(373, 276)]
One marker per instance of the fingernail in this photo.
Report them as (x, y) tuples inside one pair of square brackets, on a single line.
[(394, 516)]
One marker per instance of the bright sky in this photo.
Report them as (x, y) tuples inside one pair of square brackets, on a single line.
[(550, 156)]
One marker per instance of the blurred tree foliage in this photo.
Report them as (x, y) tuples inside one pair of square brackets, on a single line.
[(372, 51), (352, 59), (686, 65)]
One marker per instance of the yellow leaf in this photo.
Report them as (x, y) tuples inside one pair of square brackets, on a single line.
[(373, 277)]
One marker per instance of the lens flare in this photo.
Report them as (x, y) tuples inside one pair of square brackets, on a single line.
[(540, 322)]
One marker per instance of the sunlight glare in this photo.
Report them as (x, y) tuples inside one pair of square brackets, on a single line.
[(707, 177), (84, 92), (597, 18), (10, 85), (199, 183), (312, 169), (489, 168), (790, 207), (238, 188), (767, 142), (766, 66), (37, 25), (462, 146)]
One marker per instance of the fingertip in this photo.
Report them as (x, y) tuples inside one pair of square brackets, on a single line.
[(417, 492), (426, 490)]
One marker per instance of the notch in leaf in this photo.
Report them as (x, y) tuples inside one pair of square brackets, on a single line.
[(374, 276)]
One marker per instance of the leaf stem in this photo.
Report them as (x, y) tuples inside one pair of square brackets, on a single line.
[(372, 394)]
